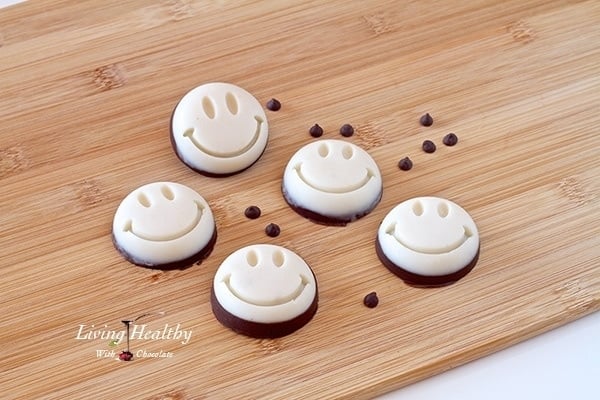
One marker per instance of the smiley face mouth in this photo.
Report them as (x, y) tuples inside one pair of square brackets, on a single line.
[(347, 189), (466, 235), (165, 238), (272, 302), (189, 133)]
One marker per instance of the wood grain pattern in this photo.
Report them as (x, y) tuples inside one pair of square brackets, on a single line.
[(87, 91)]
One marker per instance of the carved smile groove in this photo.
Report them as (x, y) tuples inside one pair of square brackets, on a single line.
[(348, 189), (268, 303), (189, 133), (466, 235), (155, 238)]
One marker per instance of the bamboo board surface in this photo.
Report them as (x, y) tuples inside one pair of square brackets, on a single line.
[(87, 89)]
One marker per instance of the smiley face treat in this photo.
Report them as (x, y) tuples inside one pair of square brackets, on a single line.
[(264, 291), (428, 241), (332, 182), (164, 225), (219, 129)]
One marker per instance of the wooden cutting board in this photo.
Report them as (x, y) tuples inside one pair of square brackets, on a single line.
[(87, 89)]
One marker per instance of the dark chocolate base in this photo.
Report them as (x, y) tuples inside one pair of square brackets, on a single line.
[(324, 219), (181, 264), (261, 330), (200, 171), (417, 280)]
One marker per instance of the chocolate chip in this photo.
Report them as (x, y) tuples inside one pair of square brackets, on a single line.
[(405, 164), (125, 355), (252, 212), (272, 230), (346, 130), (426, 120), (450, 139), (371, 300), (273, 105), (428, 146), (315, 131)]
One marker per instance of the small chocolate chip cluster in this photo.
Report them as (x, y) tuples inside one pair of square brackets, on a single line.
[(428, 146), (254, 212), (316, 130)]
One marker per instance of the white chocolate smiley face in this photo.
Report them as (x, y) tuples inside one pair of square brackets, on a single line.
[(429, 236), (264, 283), (163, 223), (332, 180), (219, 129)]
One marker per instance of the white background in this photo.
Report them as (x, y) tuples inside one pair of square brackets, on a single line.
[(561, 364), (5, 3)]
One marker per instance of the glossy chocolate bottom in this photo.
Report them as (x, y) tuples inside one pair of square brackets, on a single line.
[(180, 264), (324, 219), (417, 280), (261, 330)]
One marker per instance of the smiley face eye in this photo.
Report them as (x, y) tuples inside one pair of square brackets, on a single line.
[(208, 107), (417, 208), (252, 258), (443, 210), (347, 152), (167, 192), (232, 103), (323, 150), (278, 258), (143, 200)]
